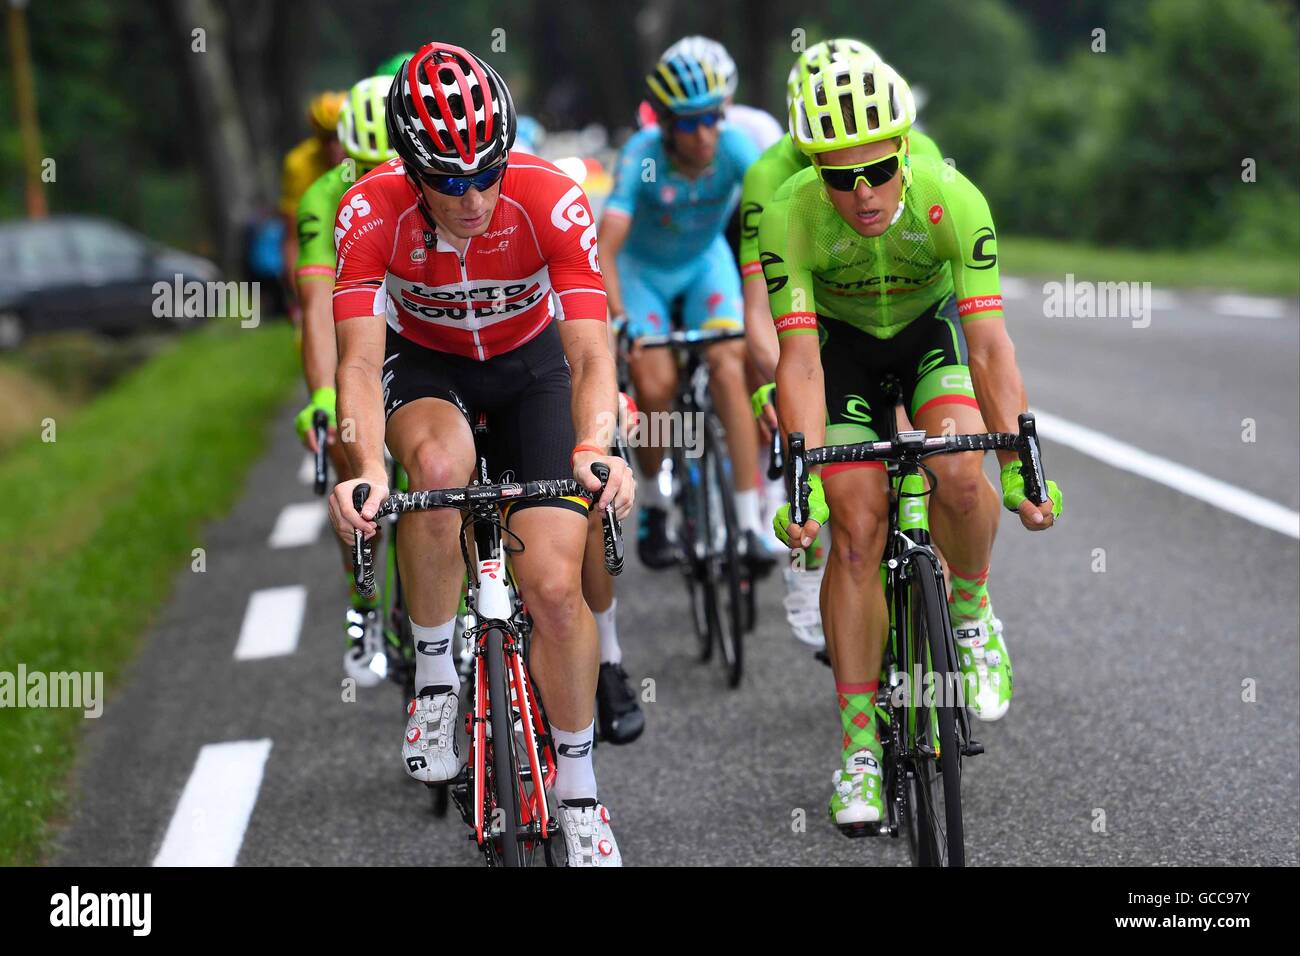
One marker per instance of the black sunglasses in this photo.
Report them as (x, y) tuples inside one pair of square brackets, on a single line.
[(876, 174)]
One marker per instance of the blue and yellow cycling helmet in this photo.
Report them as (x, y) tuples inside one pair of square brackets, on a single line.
[(683, 82)]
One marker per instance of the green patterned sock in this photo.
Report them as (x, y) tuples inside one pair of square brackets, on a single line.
[(969, 600), (858, 717)]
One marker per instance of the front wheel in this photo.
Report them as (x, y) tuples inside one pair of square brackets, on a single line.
[(933, 798), (505, 772), (725, 564)]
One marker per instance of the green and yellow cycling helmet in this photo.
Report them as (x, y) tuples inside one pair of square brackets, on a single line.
[(848, 102), (362, 129), (817, 56)]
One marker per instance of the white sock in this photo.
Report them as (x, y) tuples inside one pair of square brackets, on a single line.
[(655, 494), (610, 652), (747, 511), (575, 779), (435, 666)]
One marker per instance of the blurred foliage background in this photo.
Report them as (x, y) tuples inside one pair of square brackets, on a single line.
[(1141, 145)]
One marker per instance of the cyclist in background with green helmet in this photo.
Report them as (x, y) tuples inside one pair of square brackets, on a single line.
[(778, 163), (364, 137), (881, 265)]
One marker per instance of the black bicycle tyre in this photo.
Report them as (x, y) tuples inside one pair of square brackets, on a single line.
[(934, 847), (694, 509), (729, 570), (505, 772)]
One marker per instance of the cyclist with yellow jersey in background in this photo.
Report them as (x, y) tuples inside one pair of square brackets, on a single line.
[(303, 165), (364, 138), (778, 163), (661, 242), (880, 266)]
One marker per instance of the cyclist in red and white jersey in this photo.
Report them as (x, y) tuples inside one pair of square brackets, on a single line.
[(468, 282)]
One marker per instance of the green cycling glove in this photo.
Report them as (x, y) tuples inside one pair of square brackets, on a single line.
[(1013, 489), (817, 510), (760, 399), (323, 400)]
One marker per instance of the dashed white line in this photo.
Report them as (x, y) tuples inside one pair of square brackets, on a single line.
[(1250, 306), (1220, 494), (208, 826), (272, 621), (298, 524), (307, 470)]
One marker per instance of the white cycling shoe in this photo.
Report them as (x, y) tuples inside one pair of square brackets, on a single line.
[(802, 605), (587, 835), (429, 749), (364, 661), (986, 664)]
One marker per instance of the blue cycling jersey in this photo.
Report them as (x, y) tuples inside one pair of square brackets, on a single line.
[(675, 219)]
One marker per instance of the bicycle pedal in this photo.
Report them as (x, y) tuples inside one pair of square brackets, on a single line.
[(972, 748), (855, 831)]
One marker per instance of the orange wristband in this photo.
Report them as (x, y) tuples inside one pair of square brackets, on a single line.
[(591, 448)]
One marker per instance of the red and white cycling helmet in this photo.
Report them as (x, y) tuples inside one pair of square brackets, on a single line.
[(449, 113)]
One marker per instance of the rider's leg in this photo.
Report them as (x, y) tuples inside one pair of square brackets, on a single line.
[(432, 440), (598, 590), (964, 510), (564, 654), (713, 301)]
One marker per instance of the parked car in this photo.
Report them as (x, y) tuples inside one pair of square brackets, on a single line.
[(79, 272)]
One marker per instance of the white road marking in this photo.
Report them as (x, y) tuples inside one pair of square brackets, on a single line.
[(1229, 498), (272, 621), (298, 524), (1251, 306), (208, 826), (307, 470)]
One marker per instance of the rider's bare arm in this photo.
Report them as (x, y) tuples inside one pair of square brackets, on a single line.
[(614, 227), (760, 335), (995, 377), (319, 350), (360, 392), (800, 388)]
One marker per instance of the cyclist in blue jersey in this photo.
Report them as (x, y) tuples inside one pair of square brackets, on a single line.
[(661, 245)]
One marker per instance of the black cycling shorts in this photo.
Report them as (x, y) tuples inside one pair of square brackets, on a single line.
[(927, 361), (524, 393)]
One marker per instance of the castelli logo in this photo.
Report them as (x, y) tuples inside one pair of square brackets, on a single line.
[(936, 213)]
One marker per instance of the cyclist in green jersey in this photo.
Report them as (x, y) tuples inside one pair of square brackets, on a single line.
[(882, 266), (778, 163), (364, 137)]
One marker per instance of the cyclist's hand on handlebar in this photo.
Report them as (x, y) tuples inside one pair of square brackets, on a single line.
[(1032, 516), (323, 399), (345, 518), (620, 489), (794, 536)]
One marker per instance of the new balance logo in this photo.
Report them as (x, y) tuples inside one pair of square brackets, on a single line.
[(433, 648)]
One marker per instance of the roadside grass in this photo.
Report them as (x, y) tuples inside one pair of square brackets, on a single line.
[(101, 519), (1219, 271)]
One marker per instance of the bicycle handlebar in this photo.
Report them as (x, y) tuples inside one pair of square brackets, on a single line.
[(398, 502), (912, 446), (688, 340), (320, 425)]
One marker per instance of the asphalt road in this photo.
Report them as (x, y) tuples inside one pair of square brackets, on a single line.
[(1128, 741)]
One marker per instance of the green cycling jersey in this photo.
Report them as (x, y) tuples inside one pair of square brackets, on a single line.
[(940, 244), (778, 163), (316, 211)]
